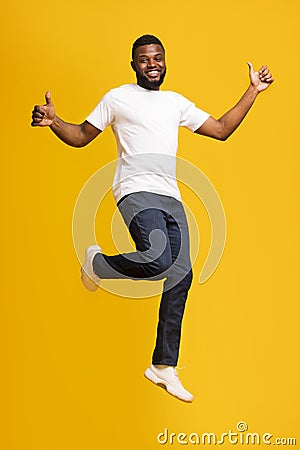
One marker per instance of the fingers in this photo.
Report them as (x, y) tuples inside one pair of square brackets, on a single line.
[(265, 75), (38, 110), (43, 115), (268, 79), (37, 115), (263, 69)]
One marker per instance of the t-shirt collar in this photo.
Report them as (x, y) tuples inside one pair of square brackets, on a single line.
[(140, 88)]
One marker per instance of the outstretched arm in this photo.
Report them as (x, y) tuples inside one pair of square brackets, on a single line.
[(222, 128), (71, 134)]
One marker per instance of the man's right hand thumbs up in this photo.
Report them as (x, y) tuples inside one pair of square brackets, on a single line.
[(43, 115)]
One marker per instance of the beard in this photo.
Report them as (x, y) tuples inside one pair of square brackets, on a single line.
[(144, 82)]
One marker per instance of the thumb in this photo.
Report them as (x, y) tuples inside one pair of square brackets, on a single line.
[(48, 98), (250, 66)]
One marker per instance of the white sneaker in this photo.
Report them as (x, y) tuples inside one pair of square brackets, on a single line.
[(88, 277), (168, 379)]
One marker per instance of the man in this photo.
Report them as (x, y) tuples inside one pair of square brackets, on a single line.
[(145, 122)]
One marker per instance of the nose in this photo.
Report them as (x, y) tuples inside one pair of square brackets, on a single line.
[(151, 63)]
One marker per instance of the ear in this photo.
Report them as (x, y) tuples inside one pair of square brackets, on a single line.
[(132, 65)]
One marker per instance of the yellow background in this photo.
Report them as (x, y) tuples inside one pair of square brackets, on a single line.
[(73, 362)]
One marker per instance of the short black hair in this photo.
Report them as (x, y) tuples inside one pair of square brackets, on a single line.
[(146, 39)]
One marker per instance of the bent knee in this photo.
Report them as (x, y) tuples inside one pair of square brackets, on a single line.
[(159, 266)]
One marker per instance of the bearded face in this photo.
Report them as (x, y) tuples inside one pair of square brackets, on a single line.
[(149, 66)]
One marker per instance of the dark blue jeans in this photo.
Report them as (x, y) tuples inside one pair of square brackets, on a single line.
[(158, 226)]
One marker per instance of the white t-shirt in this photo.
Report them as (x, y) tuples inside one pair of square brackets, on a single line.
[(145, 124)]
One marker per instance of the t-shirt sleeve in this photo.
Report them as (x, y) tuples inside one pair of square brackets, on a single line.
[(103, 115), (192, 117)]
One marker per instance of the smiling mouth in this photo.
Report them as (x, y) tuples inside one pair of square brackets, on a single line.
[(153, 73)]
